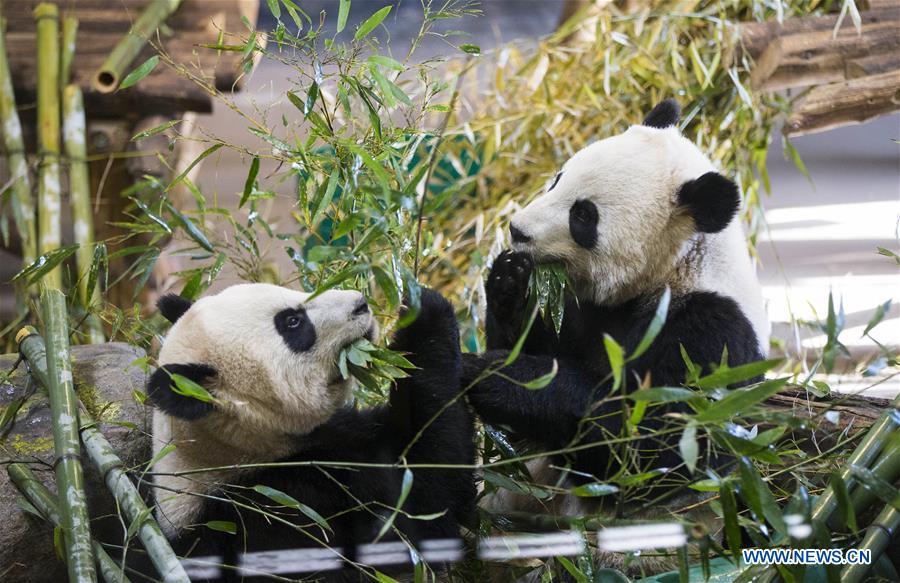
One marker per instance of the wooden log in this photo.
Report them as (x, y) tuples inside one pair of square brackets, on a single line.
[(856, 412), (756, 37), (872, 65), (849, 102), (810, 58)]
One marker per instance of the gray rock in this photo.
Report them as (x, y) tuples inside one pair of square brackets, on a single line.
[(105, 379)]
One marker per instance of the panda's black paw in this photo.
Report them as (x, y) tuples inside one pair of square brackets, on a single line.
[(432, 339), (507, 286)]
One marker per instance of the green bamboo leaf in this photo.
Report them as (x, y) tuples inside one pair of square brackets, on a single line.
[(758, 496), (725, 376), (45, 263), (387, 285), (386, 62), (163, 452), (616, 357), (274, 8), (222, 526), (192, 230), (291, 502), (845, 507), (196, 161), (328, 196), (520, 341), (377, 169), (188, 388), (99, 261), (688, 447), (796, 159), (730, 515), (139, 73), (663, 395), (543, 380), (739, 400), (137, 523), (656, 324), (594, 490), (156, 130), (405, 488), (250, 183), (877, 317), (343, 13), (470, 49), (369, 25)]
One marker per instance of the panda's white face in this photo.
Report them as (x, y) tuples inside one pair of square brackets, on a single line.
[(616, 213), (273, 352)]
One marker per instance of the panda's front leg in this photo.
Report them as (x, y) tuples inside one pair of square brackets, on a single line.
[(507, 306)]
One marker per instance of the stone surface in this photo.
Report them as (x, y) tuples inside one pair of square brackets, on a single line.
[(105, 379)]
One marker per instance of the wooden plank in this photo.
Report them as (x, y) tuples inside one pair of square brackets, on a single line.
[(809, 58), (102, 23), (839, 104)]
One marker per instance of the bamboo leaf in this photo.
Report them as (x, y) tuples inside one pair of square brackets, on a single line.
[(222, 526), (188, 388), (343, 13), (291, 502), (616, 357), (725, 376), (196, 161), (163, 452), (369, 25), (845, 507), (250, 183), (877, 317), (594, 490), (192, 230), (156, 130), (139, 73), (45, 264), (689, 448), (663, 395), (730, 514), (543, 380), (274, 8), (740, 400), (656, 324)]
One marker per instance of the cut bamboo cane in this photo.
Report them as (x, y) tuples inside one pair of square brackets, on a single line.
[(45, 503), (75, 141), (23, 209), (67, 50), (877, 537), (865, 453), (32, 349), (67, 448), (110, 73), (49, 206)]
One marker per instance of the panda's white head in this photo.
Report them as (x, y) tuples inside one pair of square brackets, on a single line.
[(266, 354), (623, 211)]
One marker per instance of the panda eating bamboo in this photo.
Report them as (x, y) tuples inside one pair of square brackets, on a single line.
[(267, 357)]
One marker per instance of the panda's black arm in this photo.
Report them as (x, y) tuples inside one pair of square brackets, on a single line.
[(549, 415)]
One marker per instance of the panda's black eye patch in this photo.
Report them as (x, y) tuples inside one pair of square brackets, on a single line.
[(296, 329), (583, 218), (555, 181)]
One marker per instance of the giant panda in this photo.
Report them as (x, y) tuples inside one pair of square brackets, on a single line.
[(627, 217), (267, 355)]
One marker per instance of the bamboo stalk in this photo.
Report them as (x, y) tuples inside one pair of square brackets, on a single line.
[(877, 538), (45, 503), (75, 141), (863, 455), (32, 348), (47, 17), (886, 467), (110, 73), (67, 50), (23, 209), (64, 413)]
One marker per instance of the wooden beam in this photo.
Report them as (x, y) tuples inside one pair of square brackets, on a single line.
[(872, 65), (849, 102), (810, 58)]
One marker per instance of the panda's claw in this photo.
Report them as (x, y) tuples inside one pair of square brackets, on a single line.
[(507, 286)]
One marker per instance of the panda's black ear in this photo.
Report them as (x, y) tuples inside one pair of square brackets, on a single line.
[(712, 201), (665, 114), (163, 392), (173, 306)]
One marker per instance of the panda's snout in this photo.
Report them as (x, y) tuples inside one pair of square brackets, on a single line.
[(517, 235), (361, 307)]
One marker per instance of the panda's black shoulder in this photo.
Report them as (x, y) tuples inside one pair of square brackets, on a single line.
[(705, 323)]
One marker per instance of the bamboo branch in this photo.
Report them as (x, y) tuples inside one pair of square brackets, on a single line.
[(45, 503), (49, 204), (32, 348), (67, 50), (110, 73), (64, 412), (75, 140), (23, 209)]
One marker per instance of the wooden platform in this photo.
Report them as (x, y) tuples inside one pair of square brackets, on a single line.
[(102, 23)]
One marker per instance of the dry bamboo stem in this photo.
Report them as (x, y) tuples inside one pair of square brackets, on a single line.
[(67, 50), (23, 209), (64, 412), (49, 205), (75, 141), (110, 73), (32, 348), (45, 503)]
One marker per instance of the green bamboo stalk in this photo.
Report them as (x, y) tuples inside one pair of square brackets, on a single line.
[(864, 454), (49, 205), (67, 50), (75, 141), (45, 503), (32, 348), (886, 467), (878, 535), (110, 73), (23, 209), (64, 412)]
